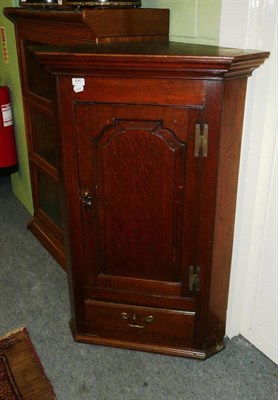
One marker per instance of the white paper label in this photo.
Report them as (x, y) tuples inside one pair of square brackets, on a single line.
[(78, 81), (78, 88), (7, 114)]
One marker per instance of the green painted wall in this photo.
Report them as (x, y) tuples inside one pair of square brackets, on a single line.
[(9, 75), (194, 21), (191, 21)]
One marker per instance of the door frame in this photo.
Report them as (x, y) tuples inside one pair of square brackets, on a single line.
[(252, 308)]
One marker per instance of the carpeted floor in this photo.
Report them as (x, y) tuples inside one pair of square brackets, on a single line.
[(33, 291)]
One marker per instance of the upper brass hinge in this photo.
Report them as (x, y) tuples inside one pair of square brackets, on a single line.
[(201, 140), (194, 278)]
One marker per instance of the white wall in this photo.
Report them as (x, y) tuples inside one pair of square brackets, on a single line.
[(252, 309)]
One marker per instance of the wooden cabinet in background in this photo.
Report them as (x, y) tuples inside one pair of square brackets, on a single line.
[(149, 152), (52, 27)]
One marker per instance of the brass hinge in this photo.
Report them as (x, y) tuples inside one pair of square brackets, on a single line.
[(201, 140), (194, 278)]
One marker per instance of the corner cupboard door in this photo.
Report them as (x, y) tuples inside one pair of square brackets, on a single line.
[(138, 191)]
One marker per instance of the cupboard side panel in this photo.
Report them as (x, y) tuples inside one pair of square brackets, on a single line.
[(229, 155), (69, 187), (207, 195)]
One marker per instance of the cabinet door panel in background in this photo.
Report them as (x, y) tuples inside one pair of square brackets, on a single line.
[(138, 184)]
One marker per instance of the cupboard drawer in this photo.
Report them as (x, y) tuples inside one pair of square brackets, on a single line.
[(139, 324)]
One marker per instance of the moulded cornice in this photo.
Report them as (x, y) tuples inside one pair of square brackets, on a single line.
[(167, 59)]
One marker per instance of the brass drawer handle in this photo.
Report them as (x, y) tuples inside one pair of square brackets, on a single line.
[(149, 319)]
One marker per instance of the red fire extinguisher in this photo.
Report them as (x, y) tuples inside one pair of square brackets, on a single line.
[(8, 156)]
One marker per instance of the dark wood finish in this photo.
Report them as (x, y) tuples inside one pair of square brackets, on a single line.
[(229, 154), (139, 324), (155, 59), (91, 25), (54, 27), (157, 206), (121, 178)]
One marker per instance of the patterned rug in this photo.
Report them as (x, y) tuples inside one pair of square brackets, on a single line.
[(21, 373)]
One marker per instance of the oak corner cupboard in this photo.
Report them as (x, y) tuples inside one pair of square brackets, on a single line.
[(148, 136)]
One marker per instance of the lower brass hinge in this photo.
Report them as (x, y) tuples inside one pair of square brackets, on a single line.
[(201, 140), (194, 278)]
